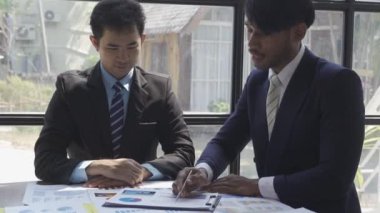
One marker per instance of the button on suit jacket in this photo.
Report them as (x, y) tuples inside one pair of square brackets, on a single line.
[(77, 125), (316, 141)]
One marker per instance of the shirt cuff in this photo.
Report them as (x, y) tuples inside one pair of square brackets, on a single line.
[(156, 175), (266, 188), (210, 173), (79, 174)]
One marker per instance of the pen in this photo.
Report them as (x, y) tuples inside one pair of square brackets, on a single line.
[(183, 186)]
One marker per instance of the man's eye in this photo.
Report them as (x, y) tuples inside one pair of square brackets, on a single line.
[(133, 46), (112, 48)]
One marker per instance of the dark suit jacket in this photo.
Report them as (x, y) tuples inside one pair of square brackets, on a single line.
[(77, 123), (316, 141)]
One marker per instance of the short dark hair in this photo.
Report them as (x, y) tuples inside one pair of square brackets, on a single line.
[(276, 15), (117, 15)]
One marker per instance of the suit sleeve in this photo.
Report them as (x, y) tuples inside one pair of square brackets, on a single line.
[(230, 140), (51, 162), (341, 137), (174, 137)]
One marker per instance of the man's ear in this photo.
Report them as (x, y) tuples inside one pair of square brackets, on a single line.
[(299, 31), (94, 42)]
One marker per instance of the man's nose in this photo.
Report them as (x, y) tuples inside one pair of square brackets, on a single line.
[(254, 41), (123, 54)]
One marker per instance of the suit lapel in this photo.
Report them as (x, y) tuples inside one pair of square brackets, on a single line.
[(293, 98), (138, 96), (137, 101), (99, 106), (259, 121)]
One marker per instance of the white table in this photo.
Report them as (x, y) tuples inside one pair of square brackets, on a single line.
[(11, 194)]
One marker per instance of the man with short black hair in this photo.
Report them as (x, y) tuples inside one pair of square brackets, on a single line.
[(110, 118), (304, 115)]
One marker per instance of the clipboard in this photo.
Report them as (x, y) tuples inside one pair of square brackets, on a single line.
[(163, 199)]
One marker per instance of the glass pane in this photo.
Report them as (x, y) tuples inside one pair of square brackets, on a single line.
[(247, 166), (191, 43), (366, 58), (16, 148), (201, 135), (367, 179), (324, 38)]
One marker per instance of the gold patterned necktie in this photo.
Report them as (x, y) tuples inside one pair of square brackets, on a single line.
[(273, 101)]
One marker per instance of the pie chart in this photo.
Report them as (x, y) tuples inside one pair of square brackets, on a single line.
[(130, 199)]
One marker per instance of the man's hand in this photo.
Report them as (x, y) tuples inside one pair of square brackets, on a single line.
[(105, 183), (123, 169), (237, 185), (197, 180)]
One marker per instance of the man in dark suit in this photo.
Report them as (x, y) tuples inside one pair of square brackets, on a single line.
[(304, 115), (110, 118)]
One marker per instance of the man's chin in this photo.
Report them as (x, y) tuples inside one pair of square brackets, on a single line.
[(119, 73), (260, 66), (122, 70)]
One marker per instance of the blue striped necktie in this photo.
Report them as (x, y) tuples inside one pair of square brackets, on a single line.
[(117, 119)]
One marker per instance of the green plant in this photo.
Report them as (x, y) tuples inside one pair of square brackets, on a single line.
[(17, 94), (219, 106), (371, 137), (5, 4)]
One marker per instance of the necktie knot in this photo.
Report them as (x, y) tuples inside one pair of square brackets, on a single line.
[(117, 87), (275, 81)]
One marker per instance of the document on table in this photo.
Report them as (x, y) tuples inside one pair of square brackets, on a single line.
[(93, 198), (162, 199), (39, 194), (49, 208), (299, 210), (43, 193), (232, 204)]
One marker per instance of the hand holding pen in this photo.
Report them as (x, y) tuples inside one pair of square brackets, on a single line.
[(183, 186), (188, 180)]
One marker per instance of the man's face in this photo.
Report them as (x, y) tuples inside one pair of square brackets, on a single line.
[(273, 50), (119, 50)]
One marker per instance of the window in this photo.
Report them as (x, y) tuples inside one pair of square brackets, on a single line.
[(365, 58), (192, 42)]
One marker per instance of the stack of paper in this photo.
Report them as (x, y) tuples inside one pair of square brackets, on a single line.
[(152, 197), (163, 199)]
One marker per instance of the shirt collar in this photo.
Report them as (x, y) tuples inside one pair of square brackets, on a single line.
[(287, 72), (109, 80)]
